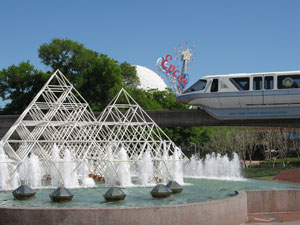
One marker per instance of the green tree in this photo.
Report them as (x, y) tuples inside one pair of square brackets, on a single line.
[(19, 84), (155, 100), (101, 82), (130, 78), (97, 77), (183, 136), (167, 100), (144, 99), (223, 140), (70, 57)]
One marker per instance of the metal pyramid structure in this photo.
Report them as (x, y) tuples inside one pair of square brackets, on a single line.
[(125, 125), (58, 126), (57, 115)]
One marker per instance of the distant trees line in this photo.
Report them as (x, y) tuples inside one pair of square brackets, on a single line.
[(268, 144)]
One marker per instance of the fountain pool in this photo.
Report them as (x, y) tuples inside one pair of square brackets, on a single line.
[(195, 190)]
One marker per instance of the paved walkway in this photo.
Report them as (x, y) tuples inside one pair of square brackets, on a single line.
[(284, 218)]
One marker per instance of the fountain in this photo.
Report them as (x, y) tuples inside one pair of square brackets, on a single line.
[(114, 194), (66, 149), (31, 165), (4, 176), (175, 187), (23, 192), (55, 173), (161, 191), (124, 169), (165, 165), (58, 142), (109, 173), (64, 171), (87, 182), (70, 178), (177, 167), (145, 170), (60, 195), (214, 167)]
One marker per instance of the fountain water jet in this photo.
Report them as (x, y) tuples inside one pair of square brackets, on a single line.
[(85, 179), (145, 169), (14, 178), (109, 173), (4, 175), (124, 175), (177, 170), (165, 167), (69, 174), (31, 165), (55, 176), (214, 167)]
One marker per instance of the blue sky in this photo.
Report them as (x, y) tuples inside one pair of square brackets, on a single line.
[(229, 36)]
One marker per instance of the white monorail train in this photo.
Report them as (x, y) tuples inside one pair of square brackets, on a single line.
[(247, 96)]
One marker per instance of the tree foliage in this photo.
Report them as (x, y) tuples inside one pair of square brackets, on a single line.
[(19, 84), (70, 57), (96, 76), (101, 82), (155, 100), (184, 136), (130, 78), (227, 140)]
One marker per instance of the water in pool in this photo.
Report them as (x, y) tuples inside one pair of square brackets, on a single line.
[(195, 190)]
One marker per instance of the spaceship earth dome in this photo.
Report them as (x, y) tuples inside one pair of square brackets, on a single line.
[(149, 79)]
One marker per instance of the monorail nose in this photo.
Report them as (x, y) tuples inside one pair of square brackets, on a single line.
[(183, 99)]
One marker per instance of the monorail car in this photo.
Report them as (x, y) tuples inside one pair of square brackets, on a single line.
[(247, 96)]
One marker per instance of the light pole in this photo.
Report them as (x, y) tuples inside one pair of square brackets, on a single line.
[(195, 147)]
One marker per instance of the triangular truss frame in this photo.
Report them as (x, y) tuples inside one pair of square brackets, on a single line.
[(59, 115), (124, 124)]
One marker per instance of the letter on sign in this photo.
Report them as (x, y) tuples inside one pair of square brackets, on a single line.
[(165, 61)]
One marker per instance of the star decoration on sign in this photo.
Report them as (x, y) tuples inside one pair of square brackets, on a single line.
[(186, 54)]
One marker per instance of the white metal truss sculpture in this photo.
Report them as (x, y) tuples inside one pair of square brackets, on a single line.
[(57, 115), (125, 125), (59, 119)]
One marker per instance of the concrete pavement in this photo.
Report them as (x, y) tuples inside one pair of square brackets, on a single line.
[(283, 218)]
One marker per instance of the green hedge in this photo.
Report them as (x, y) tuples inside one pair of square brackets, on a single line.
[(261, 172), (290, 163)]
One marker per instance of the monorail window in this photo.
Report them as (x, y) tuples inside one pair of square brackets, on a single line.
[(241, 83), (214, 85), (288, 81), (269, 82), (257, 83), (200, 85)]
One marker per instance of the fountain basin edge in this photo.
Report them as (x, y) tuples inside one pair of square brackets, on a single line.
[(266, 201), (210, 213)]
